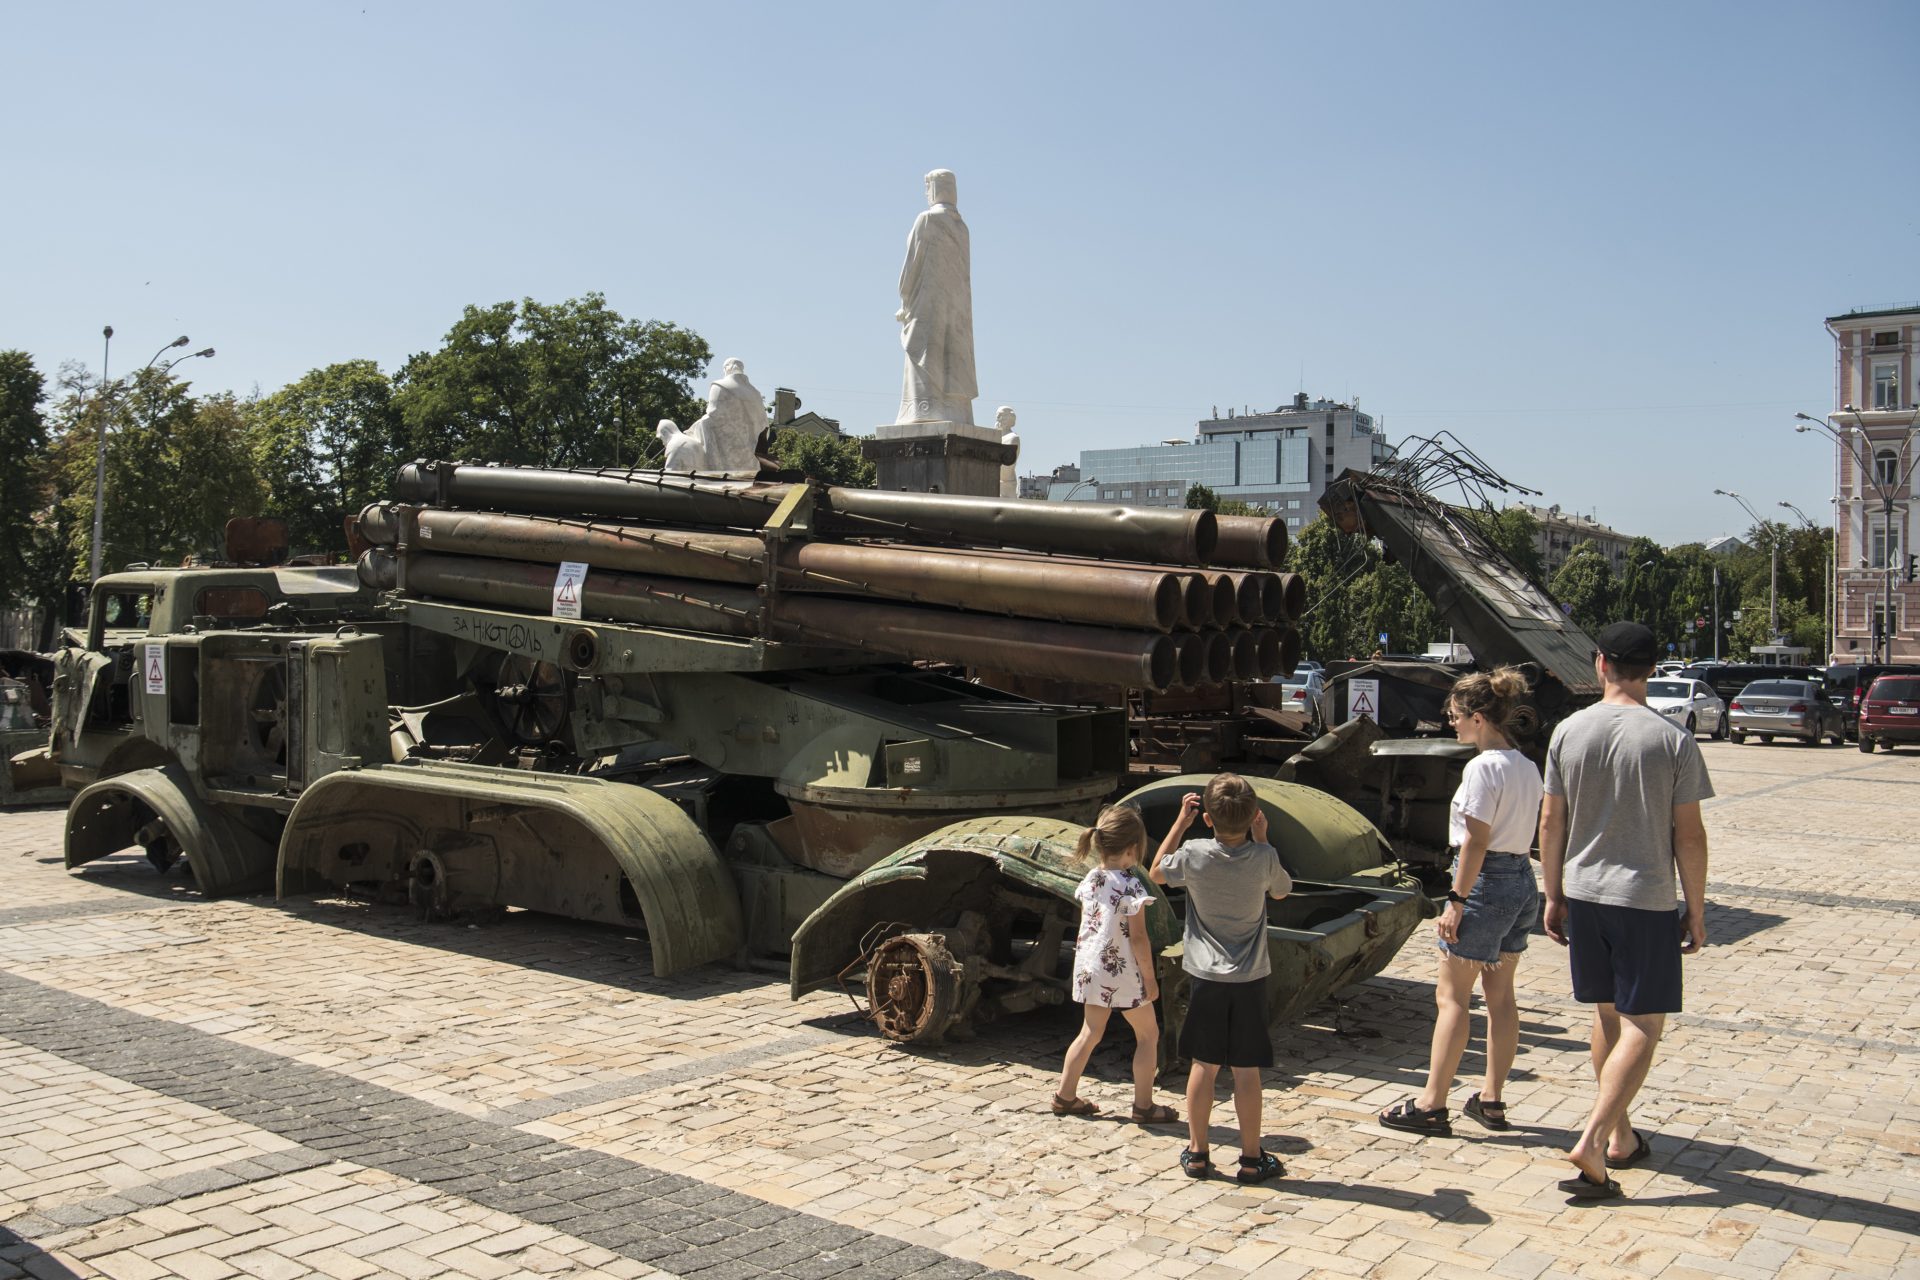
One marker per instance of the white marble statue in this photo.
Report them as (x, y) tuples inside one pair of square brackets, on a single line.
[(722, 441), (1004, 419), (936, 310)]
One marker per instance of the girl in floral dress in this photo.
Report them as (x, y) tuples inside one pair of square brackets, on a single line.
[(1113, 962)]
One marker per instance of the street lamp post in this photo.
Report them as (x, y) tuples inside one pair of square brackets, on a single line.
[(1826, 585), (100, 441), (1854, 440), (1773, 565), (1068, 495)]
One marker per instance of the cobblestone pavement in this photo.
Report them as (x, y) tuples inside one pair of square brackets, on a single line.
[(214, 1089)]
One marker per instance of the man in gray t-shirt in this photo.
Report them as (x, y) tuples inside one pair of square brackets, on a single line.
[(1620, 818)]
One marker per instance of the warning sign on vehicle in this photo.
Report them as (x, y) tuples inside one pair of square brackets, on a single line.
[(156, 668), (567, 585), (1363, 699)]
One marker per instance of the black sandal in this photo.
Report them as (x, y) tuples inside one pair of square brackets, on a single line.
[(1406, 1116), (1259, 1168), (1581, 1187), (1491, 1115), (1195, 1163), (1642, 1150)]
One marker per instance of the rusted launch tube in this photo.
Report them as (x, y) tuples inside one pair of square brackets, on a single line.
[(1250, 542), (1261, 598), (1219, 656), (1293, 589), (1246, 655), (528, 588), (1289, 650), (1190, 658), (1169, 535), (1226, 600), (985, 581), (1051, 650), (1267, 654), (1198, 600), (639, 495)]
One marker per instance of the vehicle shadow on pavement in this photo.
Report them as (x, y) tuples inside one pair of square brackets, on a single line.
[(20, 1256)]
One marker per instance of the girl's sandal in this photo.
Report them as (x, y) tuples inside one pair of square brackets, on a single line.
[(1156, 1114), (1406, 1116), (1073, 1107), (1491, 1115)]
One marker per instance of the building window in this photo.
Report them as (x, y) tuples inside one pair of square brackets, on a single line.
[(1886, 386), (1886, 469), (1884, 621), (1883, 542), (1887, 338)]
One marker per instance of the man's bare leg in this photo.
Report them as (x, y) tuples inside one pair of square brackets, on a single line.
[(1606, 1034), (1246, 1106), (1621, 1075), (1200, 1104)]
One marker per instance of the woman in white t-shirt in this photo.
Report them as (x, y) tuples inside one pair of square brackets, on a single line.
[(1492, 904)]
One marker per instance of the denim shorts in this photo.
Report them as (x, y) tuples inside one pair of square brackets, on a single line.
[(1502, 909)]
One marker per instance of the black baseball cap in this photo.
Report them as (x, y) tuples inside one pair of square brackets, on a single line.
[(1627, 642)]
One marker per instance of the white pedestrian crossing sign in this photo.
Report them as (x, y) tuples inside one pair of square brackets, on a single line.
[(567, 586), (1363, 699)]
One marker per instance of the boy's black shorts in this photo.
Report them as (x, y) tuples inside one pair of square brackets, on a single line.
[(1227, 1024), (1624, 957)]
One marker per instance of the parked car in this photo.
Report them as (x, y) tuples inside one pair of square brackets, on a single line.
[(1690, 704), (1668, 668), (1727, 679), (1306, 690), (1770, 709), (1847, 684), (1890, 713)]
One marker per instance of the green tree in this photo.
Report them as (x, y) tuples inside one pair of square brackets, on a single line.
[(830, 459), (328, 445), (23, 477), (1585, 584), (1201, 498), (560, 385), (1354, 594)]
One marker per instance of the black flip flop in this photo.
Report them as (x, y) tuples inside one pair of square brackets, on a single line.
[(1642, 1151), (1581, 1187)]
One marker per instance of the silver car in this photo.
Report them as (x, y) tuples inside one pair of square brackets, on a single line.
[(1770, 709), (1688, 703)]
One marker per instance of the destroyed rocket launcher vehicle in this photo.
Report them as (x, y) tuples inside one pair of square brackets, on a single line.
[(728, 716)]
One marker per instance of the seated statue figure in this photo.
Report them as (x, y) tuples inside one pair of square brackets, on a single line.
[(722, 442)]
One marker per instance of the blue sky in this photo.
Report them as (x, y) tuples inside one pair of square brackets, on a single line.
[(1595, 243)]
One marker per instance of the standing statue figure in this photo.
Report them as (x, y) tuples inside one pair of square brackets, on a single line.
[(722, 442), (1003, 419), (936, 310)]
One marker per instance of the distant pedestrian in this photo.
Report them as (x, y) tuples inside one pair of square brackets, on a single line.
[(1491, 904), (1622, 813), (1229, 880), (1113, 962)]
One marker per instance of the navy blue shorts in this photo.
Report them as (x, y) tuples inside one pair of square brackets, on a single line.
[(1625, 957)]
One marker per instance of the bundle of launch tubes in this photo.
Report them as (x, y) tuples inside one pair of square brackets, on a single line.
[(1136, 597)]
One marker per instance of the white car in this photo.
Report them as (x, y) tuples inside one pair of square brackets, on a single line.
[(1306, 690), (1689, 703), (1669, 668)]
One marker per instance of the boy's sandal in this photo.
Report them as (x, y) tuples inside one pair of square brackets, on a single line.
[(1073, 1107), (1491, 1115), (1642, 1150), (1581, 1187), (1406, 1116), (1195, 1163), (1260, 1168), (1156, 1114)]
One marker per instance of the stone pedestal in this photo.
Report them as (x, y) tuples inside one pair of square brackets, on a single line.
[(939, 457)]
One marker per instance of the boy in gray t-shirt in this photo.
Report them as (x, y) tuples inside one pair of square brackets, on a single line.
[(1229, 880)]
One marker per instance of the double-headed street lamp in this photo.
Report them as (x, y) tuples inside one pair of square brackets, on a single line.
[(1773, 565), (100, 439), (1854, 440)]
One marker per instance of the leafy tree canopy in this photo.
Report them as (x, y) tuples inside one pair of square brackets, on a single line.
[(23, 436), (327, 444), (830, 459), (567, 384)]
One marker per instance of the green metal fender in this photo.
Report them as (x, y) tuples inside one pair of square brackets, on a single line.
[(225, 857), (1318, 836), (931, 881), (455, 835)]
